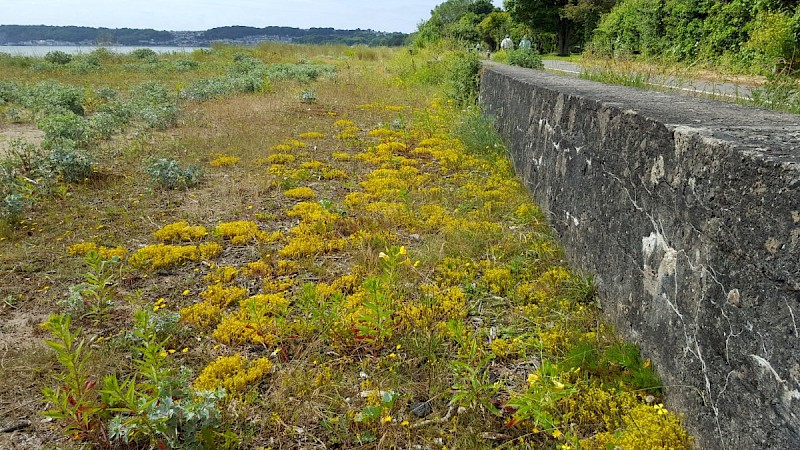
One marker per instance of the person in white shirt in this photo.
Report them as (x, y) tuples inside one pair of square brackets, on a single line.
[(507, 43)]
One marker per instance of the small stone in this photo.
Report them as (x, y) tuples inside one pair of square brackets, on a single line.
[(414, 237), (421, 409)]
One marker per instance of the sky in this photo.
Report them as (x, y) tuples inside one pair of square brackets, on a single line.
[(379, 15)]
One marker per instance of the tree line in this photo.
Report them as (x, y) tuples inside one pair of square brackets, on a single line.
[(16, 34)]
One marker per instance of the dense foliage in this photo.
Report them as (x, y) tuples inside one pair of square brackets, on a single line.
[(745, 34), (552, 25), (755, 36)]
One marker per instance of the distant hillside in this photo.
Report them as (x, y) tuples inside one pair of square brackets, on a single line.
[(309, 36), (20, 34), (42, 34)]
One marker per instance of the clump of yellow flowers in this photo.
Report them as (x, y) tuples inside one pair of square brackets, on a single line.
[(180, 232), (233, 373), (244, 232), (164, 255), (224, 160), (300, 193), (83, 248)]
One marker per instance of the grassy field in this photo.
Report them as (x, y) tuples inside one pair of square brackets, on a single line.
[(289, 247)]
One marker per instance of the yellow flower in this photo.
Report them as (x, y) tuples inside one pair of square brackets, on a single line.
[(185, 350), (557, 434), (171, 351), (386, 419), (186, 292)]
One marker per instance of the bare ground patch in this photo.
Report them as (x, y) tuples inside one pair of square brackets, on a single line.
[(23, 131)]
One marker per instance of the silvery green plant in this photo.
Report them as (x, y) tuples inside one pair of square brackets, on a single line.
[(71, 164), (168, 174)]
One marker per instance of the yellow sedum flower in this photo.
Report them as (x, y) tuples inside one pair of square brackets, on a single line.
[(84, 248), (311, 135), (223, 160), (233, 373), (244, 232), (163, 255), (180, 232), (281, 158), (300, 193)]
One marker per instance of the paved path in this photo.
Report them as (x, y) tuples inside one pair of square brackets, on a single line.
[(702, 87)]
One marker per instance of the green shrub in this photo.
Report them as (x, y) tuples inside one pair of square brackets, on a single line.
[(65, 128), (145, 54), (207, 89), (529, 58), (12, 208), (103, 54), (168, 174), (303, 72), (50, 96), (774, 38), (58, 57), (9, 92), (106, 93), (105, 124), (24, 171), (462, 79), (185, 65), (72, 165), (152, 103), (153, 407), (84, 64)]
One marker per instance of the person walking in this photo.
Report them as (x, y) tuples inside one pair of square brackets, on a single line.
[(507, 43)]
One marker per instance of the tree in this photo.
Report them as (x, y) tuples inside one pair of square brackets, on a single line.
[(482, 8), (570, 20), (455, 19), (493, 27)]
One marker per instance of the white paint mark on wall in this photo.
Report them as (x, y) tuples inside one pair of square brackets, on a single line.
[(657, 172), (660, 267)]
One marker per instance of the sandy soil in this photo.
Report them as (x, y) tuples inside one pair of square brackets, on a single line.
[(24, 131)]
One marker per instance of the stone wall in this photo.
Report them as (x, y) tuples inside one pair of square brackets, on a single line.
[(687, 212)]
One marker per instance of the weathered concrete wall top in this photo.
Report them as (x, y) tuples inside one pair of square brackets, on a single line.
[(688, 213)]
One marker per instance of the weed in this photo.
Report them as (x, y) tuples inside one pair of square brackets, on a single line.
[(308, 96), (94, 297), (76, 400)]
